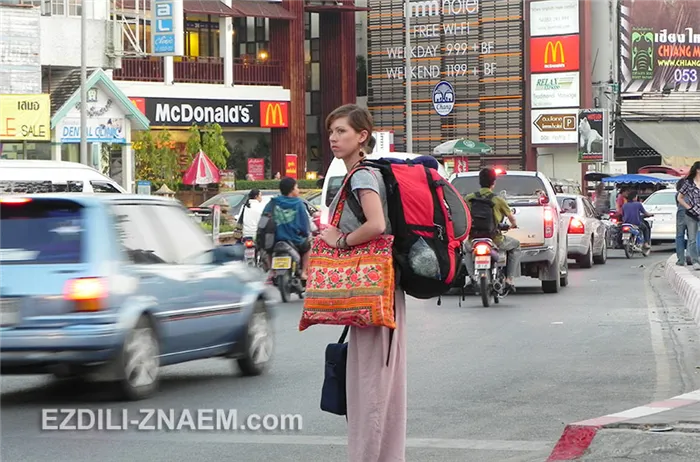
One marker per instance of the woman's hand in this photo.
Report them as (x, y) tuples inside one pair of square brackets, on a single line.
[(330, 235)]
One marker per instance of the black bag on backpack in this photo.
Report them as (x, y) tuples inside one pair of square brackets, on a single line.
[(483, 219), (265, 236)]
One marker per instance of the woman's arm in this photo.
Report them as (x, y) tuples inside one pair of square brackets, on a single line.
[(681, 200), (374, 214)]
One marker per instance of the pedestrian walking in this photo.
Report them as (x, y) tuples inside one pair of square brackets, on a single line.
[(681, 230), (689, 199), (376, 388)]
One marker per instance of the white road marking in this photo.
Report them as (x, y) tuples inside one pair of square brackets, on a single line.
[(314, 440)]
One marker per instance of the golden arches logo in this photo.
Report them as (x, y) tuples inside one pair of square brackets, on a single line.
[(274, 116), (551, 51)]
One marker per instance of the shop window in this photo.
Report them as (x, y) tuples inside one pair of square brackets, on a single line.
[(307, 26), (58, 7), (241, 30), (315, 50), (315, 76), (315, 102), (251, 49), (308, 78), (259, 29), (75, 7)]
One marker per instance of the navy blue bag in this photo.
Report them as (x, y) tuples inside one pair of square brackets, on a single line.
[(333, 394)]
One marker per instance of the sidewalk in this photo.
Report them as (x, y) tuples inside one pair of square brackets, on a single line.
[(664, 431), (686, 282)]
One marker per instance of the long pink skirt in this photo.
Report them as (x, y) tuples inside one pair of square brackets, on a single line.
[(376, 393)]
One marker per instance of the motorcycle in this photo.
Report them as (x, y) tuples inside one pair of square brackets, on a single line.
[(251, 256), (286, 270), (633, 240), (490, 265)]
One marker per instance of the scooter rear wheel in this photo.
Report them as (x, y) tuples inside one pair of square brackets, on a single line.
[(485, 292)]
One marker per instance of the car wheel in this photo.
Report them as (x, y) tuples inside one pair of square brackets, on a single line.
[(259, 342), (586, 261), (564, 280), (603, 257), (139, 361)]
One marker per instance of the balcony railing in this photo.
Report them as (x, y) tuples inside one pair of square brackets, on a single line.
[(201, 70)]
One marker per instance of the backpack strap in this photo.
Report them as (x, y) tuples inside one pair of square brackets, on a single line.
[(352, 202)]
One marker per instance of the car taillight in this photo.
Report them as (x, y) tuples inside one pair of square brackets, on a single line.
[(548, 223), (576, 226), (14, 200), (625, 229), (250, 243), (88, 294), (499, 171), (482, 249)]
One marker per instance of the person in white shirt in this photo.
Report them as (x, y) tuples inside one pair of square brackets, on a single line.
[(252, 212)]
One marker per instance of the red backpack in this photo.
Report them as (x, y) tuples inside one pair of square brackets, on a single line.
[(429, 221)]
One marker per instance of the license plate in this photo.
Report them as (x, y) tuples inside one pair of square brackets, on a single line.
[(482, 262), (250, 253), (281, 262), (9, 312), (625, 237)]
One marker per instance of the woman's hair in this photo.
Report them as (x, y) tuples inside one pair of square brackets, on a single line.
[(693, 171), (359, 119), (600, 188)]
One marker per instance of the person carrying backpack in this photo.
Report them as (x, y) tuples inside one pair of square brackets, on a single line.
[(487, 211)]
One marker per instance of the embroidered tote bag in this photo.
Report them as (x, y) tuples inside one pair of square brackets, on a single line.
[(353, 287)]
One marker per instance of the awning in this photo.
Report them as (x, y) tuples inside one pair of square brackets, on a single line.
[(260, 9), (212, 7), (678, 142)]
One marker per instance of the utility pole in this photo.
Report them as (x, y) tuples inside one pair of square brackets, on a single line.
[(409, 81), (83, 85)]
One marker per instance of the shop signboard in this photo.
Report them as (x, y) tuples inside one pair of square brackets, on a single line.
[(99, 130), (592, 135), (554, 17), (25, 117), (256, 168), (167, 28), (660, 46), (554, 126), (554, 54), (185, 112), (290, 165), (557, 89)]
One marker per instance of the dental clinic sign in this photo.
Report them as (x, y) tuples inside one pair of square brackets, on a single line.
[(167, 28)]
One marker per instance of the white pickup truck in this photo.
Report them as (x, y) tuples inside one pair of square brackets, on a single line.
[(542, 231)]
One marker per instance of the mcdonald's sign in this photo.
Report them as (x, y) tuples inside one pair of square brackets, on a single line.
[(553, 54), (274, 114)]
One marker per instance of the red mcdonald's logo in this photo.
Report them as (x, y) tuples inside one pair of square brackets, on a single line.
[(554, 54), (274, 114), (140, 104)]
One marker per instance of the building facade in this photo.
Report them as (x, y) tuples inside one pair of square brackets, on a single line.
[(260, 69), (467, 69)]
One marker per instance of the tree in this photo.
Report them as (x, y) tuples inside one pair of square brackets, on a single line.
[(156, 159), (209, 139)]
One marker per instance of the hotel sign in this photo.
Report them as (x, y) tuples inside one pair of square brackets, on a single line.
[(167, 28), (554, 17), (554, 54)]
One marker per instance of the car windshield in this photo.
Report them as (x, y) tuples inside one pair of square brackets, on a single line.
[(41, 232), (234, 200), (511, 187), (661, 199), (334, 184)]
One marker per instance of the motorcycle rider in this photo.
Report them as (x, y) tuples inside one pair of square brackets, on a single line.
[(291, 220), (252, 211), (487, 181), (632, 213)]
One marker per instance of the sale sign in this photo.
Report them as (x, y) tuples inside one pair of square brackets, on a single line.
[(290, 165), (256, 168)]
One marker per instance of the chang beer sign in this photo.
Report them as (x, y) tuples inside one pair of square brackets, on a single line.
[(642, 53), (432, 8)]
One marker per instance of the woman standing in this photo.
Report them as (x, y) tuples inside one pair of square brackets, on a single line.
[(689, 199), (376, 390)]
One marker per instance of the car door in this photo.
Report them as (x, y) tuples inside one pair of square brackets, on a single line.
[(212, 294), (151, 261), (595, 224)]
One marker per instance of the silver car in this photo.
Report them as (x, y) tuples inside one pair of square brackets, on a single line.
[(587, 234), (663, 205)]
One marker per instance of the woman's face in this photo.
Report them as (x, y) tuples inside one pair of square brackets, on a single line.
[(345, 141)]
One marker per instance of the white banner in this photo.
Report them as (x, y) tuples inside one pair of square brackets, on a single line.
[(554, 17), (561, 89), (554, 126)]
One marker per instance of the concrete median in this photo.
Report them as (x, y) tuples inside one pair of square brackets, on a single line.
[(686, 284)]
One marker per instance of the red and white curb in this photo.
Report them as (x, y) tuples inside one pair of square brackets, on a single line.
[(578, 436), (686, 284)]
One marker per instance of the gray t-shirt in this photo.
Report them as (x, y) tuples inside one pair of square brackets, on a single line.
[(362, 179)]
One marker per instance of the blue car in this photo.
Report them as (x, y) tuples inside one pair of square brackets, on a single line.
[(111, 287)]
